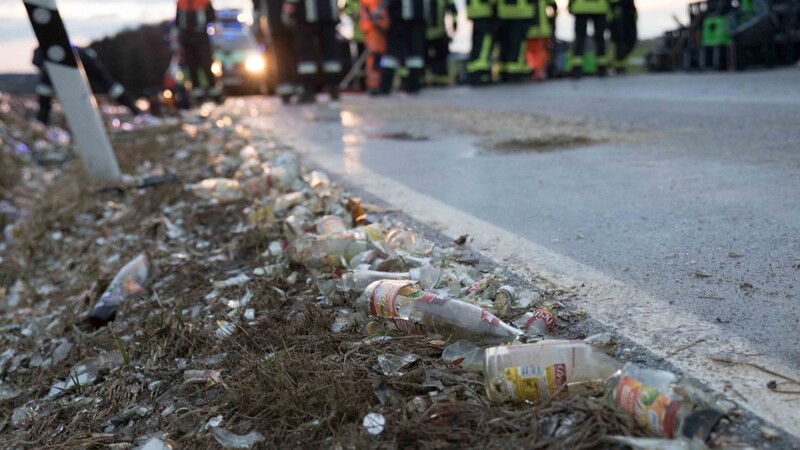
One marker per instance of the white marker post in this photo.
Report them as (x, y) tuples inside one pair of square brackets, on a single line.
[(71, 86)]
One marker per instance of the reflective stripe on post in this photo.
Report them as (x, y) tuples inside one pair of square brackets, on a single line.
[(69, 80)]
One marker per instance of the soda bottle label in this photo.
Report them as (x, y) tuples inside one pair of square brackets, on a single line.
[(543, 315), (382, 299), (131, 286), (651, 408), (537, 383), (486, 316)]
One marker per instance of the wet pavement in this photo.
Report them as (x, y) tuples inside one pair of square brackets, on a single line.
[(685, 188)]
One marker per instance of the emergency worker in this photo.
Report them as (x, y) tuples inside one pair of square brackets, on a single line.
[(405, 41), (315, 39), (353, 10), (268, 17), (192, 20), (584, 11), (539, 37), (373, 23), (482, 13), (514, 19), (95, 71), (623, 31), (438, 41)]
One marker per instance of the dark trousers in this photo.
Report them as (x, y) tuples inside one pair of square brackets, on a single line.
[(581, 23), (197, 55), (436, 59), (479, 68), (282, 43), (285, 62), (317, 42), (97, 74), (511, 35), (405, 41)]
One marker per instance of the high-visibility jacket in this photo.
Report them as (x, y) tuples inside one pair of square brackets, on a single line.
[(480, 9), (314, 11), (540, 26), (352, 8), (588, 6), (516, 9), (193, 16), (436, 15)]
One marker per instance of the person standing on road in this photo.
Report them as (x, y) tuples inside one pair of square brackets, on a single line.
[(95, 71), (514, 19), (539, 36), (352, 8), (315, 35), (405, 41), (623, 31), (482, 13), (192, 21), (438, 40), (374, 23), (268, 17), (596, 11)]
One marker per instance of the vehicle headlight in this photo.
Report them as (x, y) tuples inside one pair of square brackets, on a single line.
[(216, 68), (254, 63)]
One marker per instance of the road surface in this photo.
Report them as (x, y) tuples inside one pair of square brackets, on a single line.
[(671, 201)]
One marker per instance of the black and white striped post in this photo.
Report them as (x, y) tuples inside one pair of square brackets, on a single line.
[(72, 88)]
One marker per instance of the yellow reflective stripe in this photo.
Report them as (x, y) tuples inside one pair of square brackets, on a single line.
[(482, 63)]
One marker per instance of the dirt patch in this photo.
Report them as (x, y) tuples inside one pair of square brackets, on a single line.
[(399, 136), (540, 145)]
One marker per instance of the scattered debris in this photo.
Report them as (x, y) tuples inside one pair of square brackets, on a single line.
[(374, 423), (231, 440), (276, 298)]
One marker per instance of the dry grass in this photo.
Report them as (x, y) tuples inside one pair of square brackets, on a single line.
[(312, 392)]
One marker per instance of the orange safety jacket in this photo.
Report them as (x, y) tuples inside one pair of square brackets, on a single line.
[(374, 21), (194, 15)]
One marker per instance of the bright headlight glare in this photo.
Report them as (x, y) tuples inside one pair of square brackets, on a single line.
[(216, 68), (254, 63)]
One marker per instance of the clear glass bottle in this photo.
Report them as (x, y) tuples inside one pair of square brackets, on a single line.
[(405, 307)]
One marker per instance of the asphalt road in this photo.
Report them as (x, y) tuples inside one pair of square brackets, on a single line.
[(691, 194)]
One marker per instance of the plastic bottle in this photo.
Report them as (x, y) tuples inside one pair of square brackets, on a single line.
[(407, 308), (649, 396), (128, 281), (358, 280), (539, 322), (545, 369)]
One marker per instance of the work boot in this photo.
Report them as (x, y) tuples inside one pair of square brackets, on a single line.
[(333, 90), (577, 73), (602, 71), (307, 97)]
